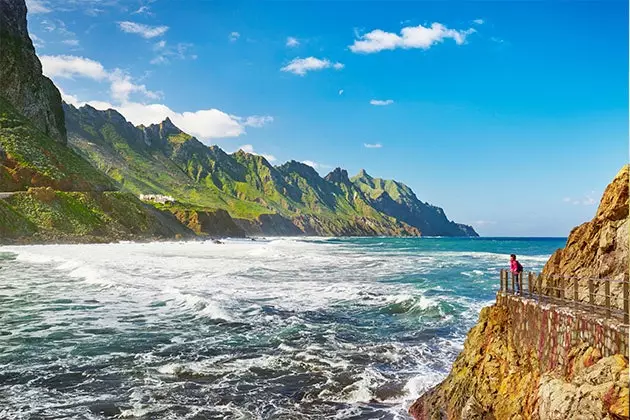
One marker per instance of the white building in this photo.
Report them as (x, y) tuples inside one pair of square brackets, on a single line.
[(157, 198)]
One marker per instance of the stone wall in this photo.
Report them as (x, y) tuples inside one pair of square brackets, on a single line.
[(531, 360), (551, 331)]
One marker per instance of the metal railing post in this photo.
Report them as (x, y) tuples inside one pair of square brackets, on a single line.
[(607, 296)]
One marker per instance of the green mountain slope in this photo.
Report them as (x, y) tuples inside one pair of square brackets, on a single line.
[(398, 200), (29, 157), (160, 158)]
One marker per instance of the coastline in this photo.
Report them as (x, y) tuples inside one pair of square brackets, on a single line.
[(543, 361)]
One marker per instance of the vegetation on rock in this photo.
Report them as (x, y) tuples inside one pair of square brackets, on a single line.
[(29, 157), (21, 81), (288, 199), (43, 214)]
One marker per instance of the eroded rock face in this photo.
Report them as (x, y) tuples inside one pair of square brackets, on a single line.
[(21, 80), (209, 222), (596, 389), (497, 377), (599, 248)]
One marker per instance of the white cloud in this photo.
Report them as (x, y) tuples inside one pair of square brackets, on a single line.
[(410, 37), (234, 36), (373, 145), (292, 42), (478, 21), (142, 10), (145, 31), (159, 45), (71, 42), (341, 91), (379, 102), (70, 66), (36, 7), (122, 86), (204, 124), (301, 66), (248, 148)]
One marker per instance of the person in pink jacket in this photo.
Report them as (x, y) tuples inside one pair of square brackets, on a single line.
[(517, 269)]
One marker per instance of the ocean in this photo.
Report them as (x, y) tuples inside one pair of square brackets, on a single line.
[(282, 328)]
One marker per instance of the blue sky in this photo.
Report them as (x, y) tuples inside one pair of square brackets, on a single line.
[(512, 116)]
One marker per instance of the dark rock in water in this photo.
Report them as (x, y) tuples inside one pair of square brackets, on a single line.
[(216, 241), (105, 408)]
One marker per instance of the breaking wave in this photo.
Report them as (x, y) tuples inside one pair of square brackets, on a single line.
[(283, 328)]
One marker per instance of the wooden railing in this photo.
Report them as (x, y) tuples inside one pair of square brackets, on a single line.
[(589, 294)]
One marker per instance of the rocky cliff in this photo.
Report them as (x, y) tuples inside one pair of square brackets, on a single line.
[(598, 249), (524, 360), (209, 222), (21, 79), (497, 377)]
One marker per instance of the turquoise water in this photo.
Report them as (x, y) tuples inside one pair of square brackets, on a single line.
[(284, 328)]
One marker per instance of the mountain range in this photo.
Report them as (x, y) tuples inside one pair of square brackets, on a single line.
[(95, 164), (287, 199)]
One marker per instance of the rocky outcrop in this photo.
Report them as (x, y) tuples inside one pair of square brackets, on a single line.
[(524, 360), (209, 222), (21, 79), (269, 225), (497, 376), (598, 249)]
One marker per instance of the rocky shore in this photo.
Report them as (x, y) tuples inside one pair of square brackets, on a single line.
[(510, 368)]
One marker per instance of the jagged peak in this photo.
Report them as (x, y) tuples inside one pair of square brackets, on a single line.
[(363, 174), (168, 124), (298, 167), (338, 175), (109, 113), (240, 153)]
